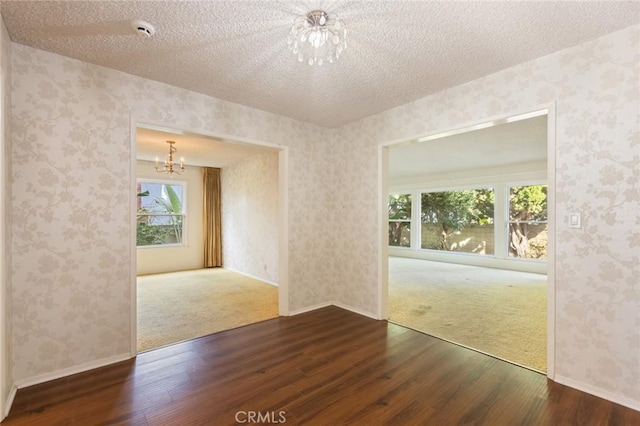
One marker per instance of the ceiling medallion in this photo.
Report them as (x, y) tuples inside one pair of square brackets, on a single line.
[(317, 37)]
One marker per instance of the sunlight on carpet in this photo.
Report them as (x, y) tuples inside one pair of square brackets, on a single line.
[(184, 305), (502, 313)]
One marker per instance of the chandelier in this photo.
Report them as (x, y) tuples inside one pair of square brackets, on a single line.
[(170, 166), (317, 37)]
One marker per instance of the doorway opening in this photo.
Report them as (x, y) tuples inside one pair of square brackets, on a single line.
[(184, 284), (468, 237)]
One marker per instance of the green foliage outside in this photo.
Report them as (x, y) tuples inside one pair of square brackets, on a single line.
[(400, 209), (526, 204), (400, 206), (452, 211), (147, 234)]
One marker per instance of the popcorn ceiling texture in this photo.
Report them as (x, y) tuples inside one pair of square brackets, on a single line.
[(71, 199), (397, 51), (596, 90)]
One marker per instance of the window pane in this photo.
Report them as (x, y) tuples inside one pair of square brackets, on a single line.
[(160, 197), (159, 229), (528, 221), (400, 206), (160, 213), (458, 221), (400, 234)]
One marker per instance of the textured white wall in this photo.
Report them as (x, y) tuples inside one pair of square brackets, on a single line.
[(72, 199), (595, 86), (155, 260), (250, 216)]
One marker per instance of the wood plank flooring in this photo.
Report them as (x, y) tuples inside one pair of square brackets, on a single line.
[(326, 367)]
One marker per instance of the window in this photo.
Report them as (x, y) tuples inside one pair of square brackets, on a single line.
[(400, 220), (160, 213), (528, 221), (458, 221)]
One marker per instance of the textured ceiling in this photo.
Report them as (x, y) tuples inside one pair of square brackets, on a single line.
[(508, 144), (398, 51), (197, 150)]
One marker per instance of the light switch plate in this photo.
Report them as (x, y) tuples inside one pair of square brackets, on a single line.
[(575, 221)]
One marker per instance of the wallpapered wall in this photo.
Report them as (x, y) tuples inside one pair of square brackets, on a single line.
[(250, 216), (5, 169), (155, 260), (598, 298), (72, 197)]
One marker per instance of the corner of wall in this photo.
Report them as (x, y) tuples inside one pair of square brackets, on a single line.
[(332, 179)]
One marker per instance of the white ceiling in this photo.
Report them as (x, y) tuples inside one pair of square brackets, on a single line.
[(520, 142), (398, 51), (197, 150)]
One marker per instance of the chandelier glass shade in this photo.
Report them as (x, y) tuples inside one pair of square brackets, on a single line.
[(170, 166), (317, 37)]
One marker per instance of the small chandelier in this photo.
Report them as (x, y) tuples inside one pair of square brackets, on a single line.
[(317, 37), (170, 167)]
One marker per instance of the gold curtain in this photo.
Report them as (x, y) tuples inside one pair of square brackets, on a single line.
[(211, 214)]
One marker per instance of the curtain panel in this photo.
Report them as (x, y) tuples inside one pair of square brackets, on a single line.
[(212, 216)]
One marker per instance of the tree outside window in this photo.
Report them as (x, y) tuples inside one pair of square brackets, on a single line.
[(460, 221), (160, 213), (400, 220), (528, 221)]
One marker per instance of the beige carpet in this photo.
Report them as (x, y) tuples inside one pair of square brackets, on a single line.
[(179, 306), (502, 313)]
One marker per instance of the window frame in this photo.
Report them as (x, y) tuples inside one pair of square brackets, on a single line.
[(501, 188), (508, 221), (409, 221), (183, 214)]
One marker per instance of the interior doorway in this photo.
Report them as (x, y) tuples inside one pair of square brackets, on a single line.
[(167, 242), (468, 216)]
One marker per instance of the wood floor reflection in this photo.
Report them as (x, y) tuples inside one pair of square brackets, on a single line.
[(326, 367)]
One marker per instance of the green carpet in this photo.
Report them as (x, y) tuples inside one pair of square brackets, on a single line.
[(502, 313), (179, 306)]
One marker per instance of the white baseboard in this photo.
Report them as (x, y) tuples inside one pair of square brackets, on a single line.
[(9, 403), (336, 304), (251, 276), (41, 378), (355, 310), (310, 308), (601, 393)]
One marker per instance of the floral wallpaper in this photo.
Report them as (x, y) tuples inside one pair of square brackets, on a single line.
[(72, 198), (250, 216), (596, 90), (5, 169)]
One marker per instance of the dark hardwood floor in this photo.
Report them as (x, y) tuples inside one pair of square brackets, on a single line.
[(327, 367)]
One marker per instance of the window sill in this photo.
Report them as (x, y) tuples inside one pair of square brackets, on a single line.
[(159, 246)]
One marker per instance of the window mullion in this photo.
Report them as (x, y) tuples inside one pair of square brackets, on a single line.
[(416, 229), (501, 216)]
